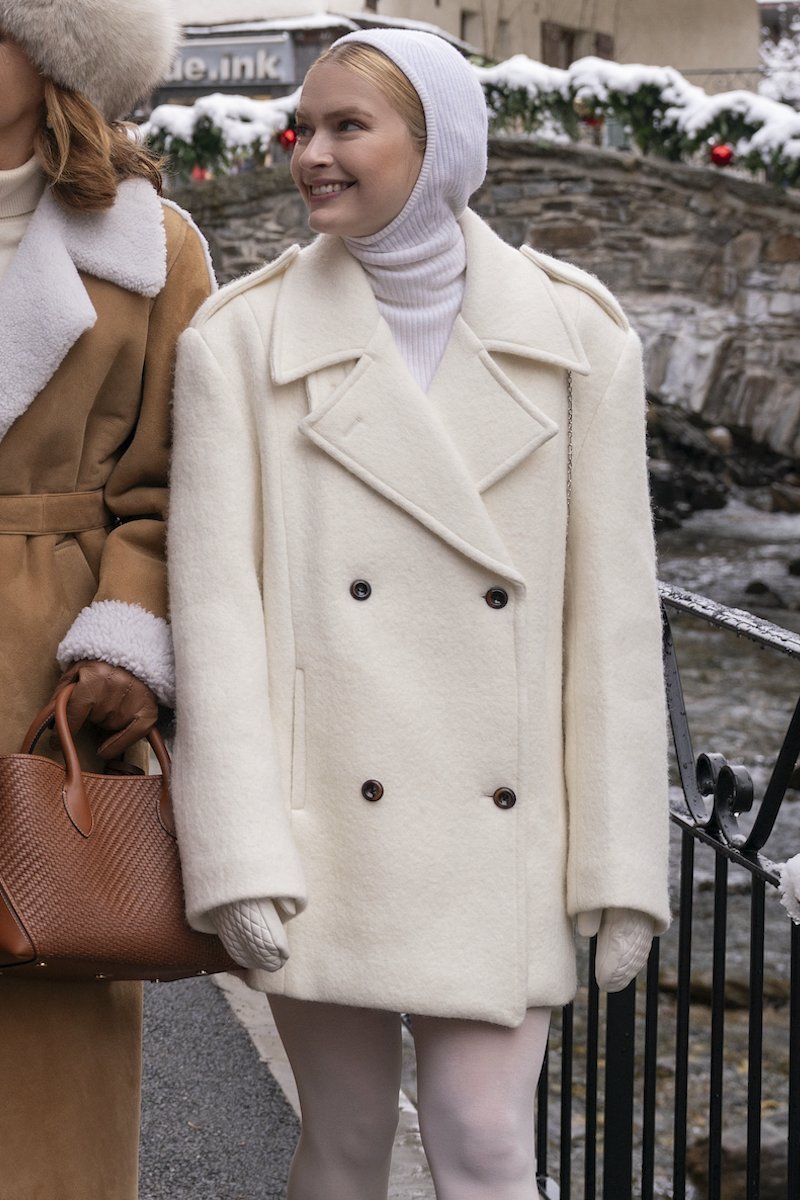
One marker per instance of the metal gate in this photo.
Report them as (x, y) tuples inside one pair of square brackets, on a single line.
[(626, 1083)]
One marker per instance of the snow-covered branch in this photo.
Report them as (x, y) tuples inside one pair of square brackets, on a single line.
[(217, 132), (780, 61), (660, 111)]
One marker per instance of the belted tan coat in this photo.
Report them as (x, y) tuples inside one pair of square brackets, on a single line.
[(414, 692), (90, 311)]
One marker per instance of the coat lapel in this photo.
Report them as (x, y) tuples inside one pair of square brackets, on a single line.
[(432, 455), (380, 426), (493, 424), (44, 306), (510, 313)]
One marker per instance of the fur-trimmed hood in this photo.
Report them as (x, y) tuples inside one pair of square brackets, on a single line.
[(44, 306)]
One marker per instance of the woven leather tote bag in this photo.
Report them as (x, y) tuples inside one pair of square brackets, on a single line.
[(90, 880)]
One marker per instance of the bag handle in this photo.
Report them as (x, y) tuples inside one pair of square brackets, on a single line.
[(76, 802)]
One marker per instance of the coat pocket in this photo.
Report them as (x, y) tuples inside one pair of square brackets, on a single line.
[(299, 741), (76, 578)]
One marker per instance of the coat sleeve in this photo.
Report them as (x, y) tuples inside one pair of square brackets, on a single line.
[(231, 808), (614, 711), (126, 624)]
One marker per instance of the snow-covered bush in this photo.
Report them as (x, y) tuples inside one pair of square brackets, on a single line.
[(216, 133), (661, 112), (780, 61), (524, 96), (764, 135), (645, 100)]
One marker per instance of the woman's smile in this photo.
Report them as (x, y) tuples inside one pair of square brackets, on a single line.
[(319, 191)]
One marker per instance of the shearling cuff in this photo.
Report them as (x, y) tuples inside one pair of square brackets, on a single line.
[(125, 635)]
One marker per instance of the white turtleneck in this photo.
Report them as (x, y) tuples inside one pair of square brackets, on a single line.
[(416, 267), (417, 264), (20, 192)]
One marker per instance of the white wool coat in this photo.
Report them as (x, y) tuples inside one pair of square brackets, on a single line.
[(306, 459)]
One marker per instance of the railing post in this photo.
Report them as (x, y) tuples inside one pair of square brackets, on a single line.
[(542, 1121), (715, 1101), (650, 1073), (565, 1158), (592, 1054), (618, 1134), (682, 1018), (755, 1039)]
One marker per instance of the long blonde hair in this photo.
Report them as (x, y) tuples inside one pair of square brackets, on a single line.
[(84, 156), (379, 70)]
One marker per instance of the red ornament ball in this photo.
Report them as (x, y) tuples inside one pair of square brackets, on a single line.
[(721, 156), (287, 139)]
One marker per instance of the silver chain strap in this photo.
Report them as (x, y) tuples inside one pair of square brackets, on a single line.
[(569, 439)]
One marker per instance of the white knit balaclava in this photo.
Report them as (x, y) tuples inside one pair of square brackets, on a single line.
[(111, 51), (416, 264)]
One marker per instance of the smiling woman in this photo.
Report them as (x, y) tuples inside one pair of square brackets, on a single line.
[(355, 163), (439, 719)]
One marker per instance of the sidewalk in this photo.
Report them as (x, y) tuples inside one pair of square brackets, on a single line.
[(219, 1106)]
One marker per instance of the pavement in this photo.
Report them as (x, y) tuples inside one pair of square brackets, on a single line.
[(219, 1106)]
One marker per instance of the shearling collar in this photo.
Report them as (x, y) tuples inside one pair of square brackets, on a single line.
[(514, 310), (44, 306)]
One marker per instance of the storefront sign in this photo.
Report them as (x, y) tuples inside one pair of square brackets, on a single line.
[(233, 62)]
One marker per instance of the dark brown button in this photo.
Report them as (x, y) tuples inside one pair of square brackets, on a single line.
[(360, 589), (372, 790), (504, 798), (496, 597)]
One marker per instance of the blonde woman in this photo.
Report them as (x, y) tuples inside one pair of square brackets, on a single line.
[(97, 280), (420, 711)]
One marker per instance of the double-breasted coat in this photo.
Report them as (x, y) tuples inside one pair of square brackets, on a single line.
[(415, 694), (91, 307)]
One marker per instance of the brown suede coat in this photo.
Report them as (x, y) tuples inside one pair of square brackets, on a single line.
[(90, 311), (99, 425)]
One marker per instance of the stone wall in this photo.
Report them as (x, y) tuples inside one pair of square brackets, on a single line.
[(707, 265)]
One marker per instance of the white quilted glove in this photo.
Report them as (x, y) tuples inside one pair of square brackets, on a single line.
[(624, 937), (252, 932)]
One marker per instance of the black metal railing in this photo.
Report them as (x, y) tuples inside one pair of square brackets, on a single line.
[(682, 1053)]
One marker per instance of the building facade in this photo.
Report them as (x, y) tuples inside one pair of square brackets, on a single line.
[(264, 47), (679, 33)]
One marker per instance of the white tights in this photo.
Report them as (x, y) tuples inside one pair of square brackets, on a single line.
[(476, 1084)]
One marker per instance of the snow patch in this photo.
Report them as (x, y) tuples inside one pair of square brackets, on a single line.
[(789, 875), (244, 122), (526, 75)]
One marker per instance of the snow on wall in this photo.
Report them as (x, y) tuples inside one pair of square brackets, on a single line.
[(772, 127)]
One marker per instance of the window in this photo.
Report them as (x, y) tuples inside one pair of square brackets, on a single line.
[(561, 44), (472, 28), (502, 41)]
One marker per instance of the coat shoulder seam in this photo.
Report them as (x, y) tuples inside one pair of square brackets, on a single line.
[(564, 272), (239, 286)]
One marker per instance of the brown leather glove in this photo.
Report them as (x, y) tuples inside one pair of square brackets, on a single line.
[(112, 698)]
